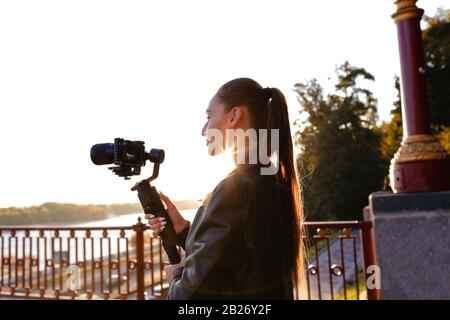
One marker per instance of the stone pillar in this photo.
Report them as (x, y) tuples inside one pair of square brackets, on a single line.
[(421, 164), (412, 235)]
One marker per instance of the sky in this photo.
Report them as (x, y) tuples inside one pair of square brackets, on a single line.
[(77, 73)]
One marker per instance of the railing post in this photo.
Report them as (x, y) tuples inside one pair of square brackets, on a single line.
[(369, 254), (139, 228)]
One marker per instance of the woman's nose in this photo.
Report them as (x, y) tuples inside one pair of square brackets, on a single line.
[(204, 130)]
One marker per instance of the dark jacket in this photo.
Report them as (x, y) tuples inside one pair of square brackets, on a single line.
[(233, 245)]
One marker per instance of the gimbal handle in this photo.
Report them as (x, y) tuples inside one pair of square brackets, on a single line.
[(151, 203)]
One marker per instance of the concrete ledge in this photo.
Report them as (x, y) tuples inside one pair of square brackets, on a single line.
[(407, 202)]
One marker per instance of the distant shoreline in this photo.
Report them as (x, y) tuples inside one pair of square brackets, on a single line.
[(56, 213)]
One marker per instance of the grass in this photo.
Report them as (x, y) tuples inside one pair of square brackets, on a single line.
[(351, 290)]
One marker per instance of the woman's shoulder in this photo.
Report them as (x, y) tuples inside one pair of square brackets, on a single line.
[(238, 184), (231, 188), (251, 177), (232, 184)]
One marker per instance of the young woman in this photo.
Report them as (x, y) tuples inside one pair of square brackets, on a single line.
[(246, 240)]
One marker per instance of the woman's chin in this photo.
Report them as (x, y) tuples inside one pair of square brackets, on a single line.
[(214, 150)]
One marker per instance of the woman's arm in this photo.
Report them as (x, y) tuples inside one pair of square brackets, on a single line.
[(222, 215)]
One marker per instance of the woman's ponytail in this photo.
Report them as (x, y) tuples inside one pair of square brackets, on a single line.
[(277, 117)]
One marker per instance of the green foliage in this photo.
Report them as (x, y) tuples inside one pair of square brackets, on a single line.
[(393, 130), (352, 293), (444, 138), (436, 41), (341, 161)]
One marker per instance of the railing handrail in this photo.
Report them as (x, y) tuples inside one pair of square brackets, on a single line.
[(55, 228), (339, 224), (314, 224)]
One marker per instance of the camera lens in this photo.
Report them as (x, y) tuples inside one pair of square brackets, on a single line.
[(102, 153)]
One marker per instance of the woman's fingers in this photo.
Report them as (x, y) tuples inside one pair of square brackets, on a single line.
[(157, 224), (175, 216), (156, 221), (166, 200)]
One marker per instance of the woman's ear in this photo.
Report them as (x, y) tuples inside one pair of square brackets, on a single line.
[(234, 115)]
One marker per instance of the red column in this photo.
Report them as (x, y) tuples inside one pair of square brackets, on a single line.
[(421, 164)]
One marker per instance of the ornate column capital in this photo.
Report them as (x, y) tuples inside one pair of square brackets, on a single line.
[(406, 9)]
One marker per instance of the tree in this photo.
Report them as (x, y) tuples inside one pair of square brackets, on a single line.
[(341, 161), (436, 40), (393, 130)]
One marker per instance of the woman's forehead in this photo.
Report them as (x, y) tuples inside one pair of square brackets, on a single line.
[(214, 105)]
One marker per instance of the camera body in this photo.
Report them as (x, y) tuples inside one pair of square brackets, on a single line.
[(127, 156)]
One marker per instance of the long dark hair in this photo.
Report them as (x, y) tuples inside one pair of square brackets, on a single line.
[(268, 110)]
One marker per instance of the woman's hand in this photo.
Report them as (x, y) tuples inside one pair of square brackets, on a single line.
[(157, 224), (170, 268)]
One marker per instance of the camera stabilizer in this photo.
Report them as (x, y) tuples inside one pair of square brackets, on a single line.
[(129, 157)]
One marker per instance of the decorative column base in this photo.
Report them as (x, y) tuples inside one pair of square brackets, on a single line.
[(421, 164)]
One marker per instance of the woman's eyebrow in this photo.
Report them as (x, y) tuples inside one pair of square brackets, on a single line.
[(207, 111)]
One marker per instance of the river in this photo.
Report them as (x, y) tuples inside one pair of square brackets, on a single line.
[(129, 219)]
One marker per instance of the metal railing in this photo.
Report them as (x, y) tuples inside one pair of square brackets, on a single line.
[(127, 262), (80, 263), (340, 255)]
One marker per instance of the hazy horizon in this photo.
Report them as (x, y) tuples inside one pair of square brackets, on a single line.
[(99, 204)]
